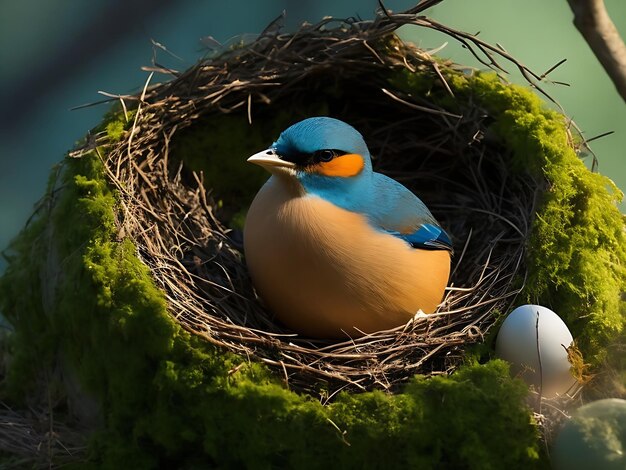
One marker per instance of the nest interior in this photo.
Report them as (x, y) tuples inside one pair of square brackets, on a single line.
[(447, 157)]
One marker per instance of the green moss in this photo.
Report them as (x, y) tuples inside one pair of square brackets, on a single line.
[(74, 290), (115, 130), (577, 250), (168, 399), (23, 303), (116, 122), (423, 415)]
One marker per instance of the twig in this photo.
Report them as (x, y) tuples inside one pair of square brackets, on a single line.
[(596, 26), (537, 339)]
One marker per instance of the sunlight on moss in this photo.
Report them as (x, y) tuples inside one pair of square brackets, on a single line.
[(577, 249), (169, 398)]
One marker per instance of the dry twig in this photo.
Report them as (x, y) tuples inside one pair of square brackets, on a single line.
[(36, 441)]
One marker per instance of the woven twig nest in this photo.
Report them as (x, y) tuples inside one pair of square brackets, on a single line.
[(143, 314), (446, 157)]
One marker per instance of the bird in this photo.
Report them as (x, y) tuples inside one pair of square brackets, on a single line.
[(334, 249)]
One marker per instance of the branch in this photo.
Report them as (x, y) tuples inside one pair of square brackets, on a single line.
[(595, 25)]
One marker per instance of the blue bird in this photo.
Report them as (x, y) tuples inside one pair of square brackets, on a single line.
[(334, 248)]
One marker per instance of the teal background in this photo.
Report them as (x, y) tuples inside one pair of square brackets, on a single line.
[(57, 54)]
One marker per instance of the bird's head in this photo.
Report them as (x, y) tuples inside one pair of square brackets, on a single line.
[(319, 152)]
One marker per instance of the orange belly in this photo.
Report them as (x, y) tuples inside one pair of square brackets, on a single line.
[(325, 272)]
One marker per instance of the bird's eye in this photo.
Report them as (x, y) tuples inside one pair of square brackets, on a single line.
[(325, 155)]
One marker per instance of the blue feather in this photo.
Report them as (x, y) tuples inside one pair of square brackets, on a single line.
[(429, 237), (388, 205), (321, 133)]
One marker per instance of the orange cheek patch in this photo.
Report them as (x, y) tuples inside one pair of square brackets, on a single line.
[(347, 165)]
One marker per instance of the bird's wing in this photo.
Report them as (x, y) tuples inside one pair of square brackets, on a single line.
[(398, 211)]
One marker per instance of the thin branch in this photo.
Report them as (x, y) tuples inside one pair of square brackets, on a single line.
[(595, 25)]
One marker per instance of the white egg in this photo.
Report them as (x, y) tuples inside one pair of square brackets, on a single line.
[(533, 339)]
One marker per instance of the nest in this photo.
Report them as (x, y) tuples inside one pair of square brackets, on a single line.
[(35, 440), (447, 158)]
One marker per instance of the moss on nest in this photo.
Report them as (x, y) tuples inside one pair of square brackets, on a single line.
[(577, 249), (170, 398), (578, 243), (167, 397)]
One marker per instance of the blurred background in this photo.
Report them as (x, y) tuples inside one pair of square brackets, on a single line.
[(57, 54)]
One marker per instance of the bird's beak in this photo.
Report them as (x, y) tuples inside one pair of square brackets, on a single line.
[(270, 160)]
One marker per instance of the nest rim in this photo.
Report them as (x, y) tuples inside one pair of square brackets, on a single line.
[(139, 167)]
